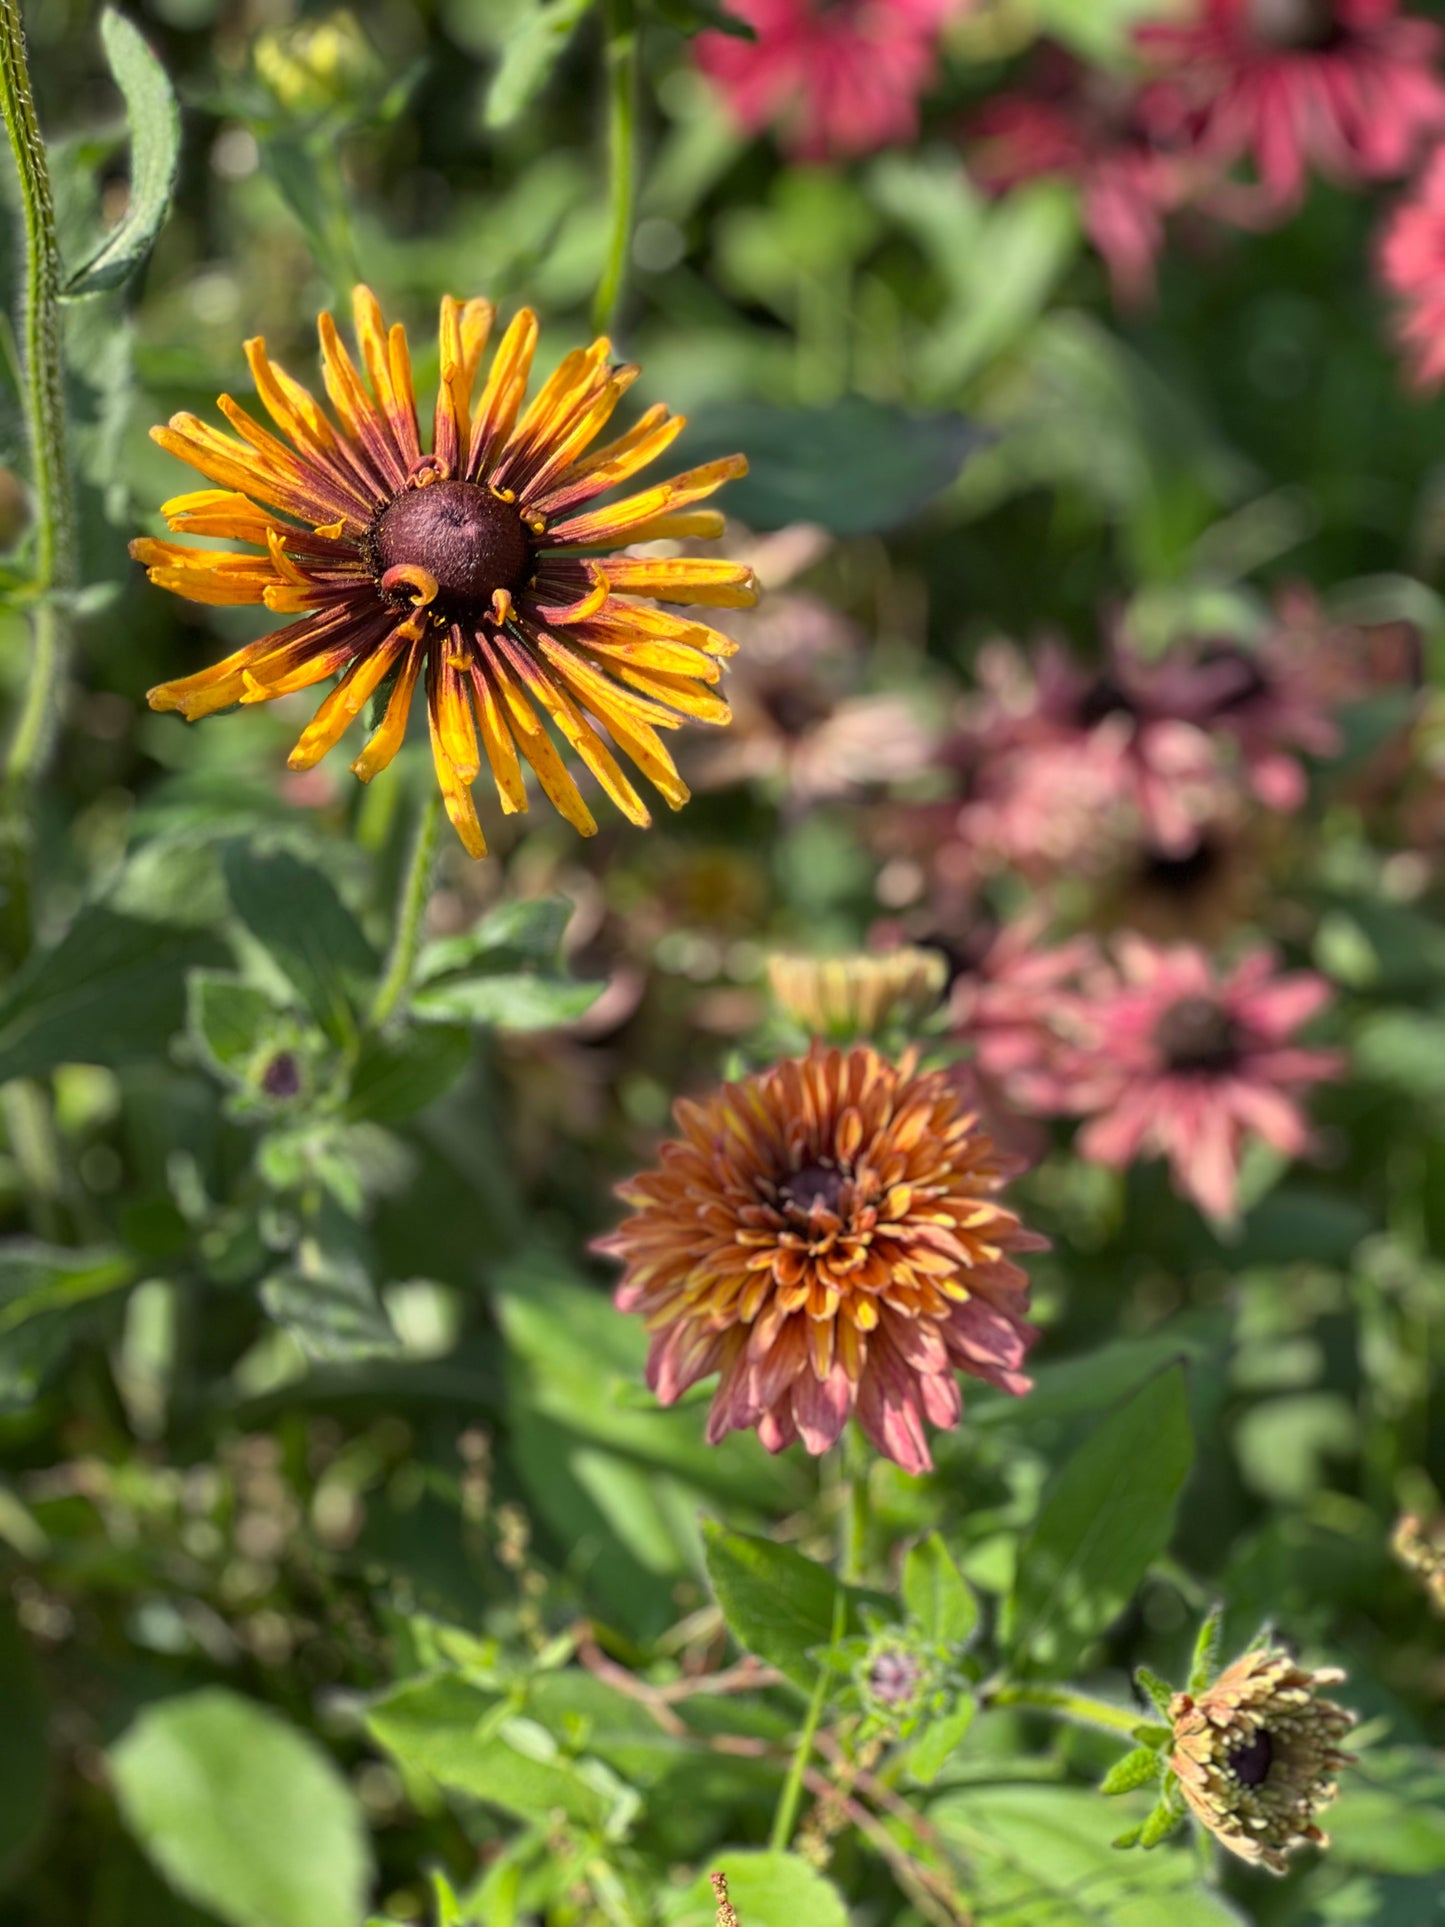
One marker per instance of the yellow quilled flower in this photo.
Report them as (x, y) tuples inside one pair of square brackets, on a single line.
[(475, 566)]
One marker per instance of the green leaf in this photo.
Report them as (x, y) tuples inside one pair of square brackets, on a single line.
[(395, 1077), (154, 120), (1047, 1854), (857, 467), (1099, 31), (294, 913), (229, 1020), (929, 1753), (1136, 1769), (1161, 1822), (25, 1756), (1107, 1516), (505, 971), (529, 56), (108, 992), (766, 1890), (1206, 1651), (465, 1737), (1390, 1817), (937, 1595), (1159, 1690), (330, 1306), (36, 1279), (777, 1604), (243, 1814)]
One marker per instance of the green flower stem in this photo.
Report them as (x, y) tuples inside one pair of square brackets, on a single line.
[(55, 534), (786, 1817), (410, 913), (621, 29), (1065, 1704), (853, 1513)]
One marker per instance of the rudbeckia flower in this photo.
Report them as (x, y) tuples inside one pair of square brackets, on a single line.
[(827, 1236), (473, 566)]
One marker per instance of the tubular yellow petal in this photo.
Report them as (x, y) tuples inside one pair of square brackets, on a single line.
[(372, 445), (502, 396), (393, 398), (554, 449), (584, 606), (293, 408), (456, 794), (683, 578), (575, 727), (218, 511), (681, 692), (399, 362), (648, 438), (390, 732), (500, 749), (233, 465), (620, 623), (532, 739), (594, 686), (636, 511), (450, 708), (694, 525), (345, 703), (571, 385), (451, 421), (209, 689)]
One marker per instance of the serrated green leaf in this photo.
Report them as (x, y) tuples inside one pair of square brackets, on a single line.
[(229, 1020), (1107, 1516), (1136, 1769), (937, 1595), (1161, 1823), (1206, 1651), (1159, 1690), (154, 121), (243, 1814)]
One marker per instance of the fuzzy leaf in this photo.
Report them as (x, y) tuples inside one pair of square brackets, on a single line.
[(1136, 1769), (529, 58), (937, 1595), (1206, 1651), (931, 1750), (1159, 1690), (154, 120), (1161, 1823)]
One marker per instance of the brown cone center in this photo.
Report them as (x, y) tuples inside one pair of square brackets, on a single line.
[(1197, 1035), (1251, 1760), (815, 1184), (1306, 25), (467, 540)]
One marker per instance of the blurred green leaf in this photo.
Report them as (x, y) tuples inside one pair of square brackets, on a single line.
[(242, 1813), (1046, 1853), (331, 1307), (937, 1595), (505, 971), (766, 1890), (36, 1279), (108, 992), (294, 913), (1107, 1516), (529, 55), (940, 1739), (230, 1020), (1390, 1816), (468, 1739), (25, 1756), (154, 120), (777, 1604), (1099, 31), (855, 466), (397, 1076)]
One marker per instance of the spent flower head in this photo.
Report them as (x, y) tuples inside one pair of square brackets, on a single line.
[(1257, 1754), (859, 996)]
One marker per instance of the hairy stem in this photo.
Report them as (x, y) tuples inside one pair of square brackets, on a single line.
[(1081, 1709), (410, 913), (621, 29), (55, 536)]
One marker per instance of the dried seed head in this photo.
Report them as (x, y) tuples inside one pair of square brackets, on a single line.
[(1257, 1755)]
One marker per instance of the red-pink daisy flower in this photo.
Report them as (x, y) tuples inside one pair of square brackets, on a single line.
[(1007, 1007), (1412, 266), (837, 80), (1348, 87), (1082, 125), (1175, 1060)]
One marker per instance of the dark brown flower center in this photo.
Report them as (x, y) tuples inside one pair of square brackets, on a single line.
[(282, 1076), (462, 535), (1251, 1760), (1196, 1034), (1307, 25), (815, 1184), (1185, 873), (1105, 696)]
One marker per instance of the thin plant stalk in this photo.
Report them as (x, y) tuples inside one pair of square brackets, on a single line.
[(620, 22), (44, 405), (410, 913), (786, 1817), (1080, 1709)]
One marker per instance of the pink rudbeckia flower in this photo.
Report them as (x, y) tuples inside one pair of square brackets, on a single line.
[(1178, 1061), (1412, 266), (837, 80), (1347, 87), (1081, 124)]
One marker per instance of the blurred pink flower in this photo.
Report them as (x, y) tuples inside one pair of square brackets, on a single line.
[(1345, 86), (1007, 1006), (1081, 124), (1412, 267), (836, 79), (799, 721), (1174, 1060)]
